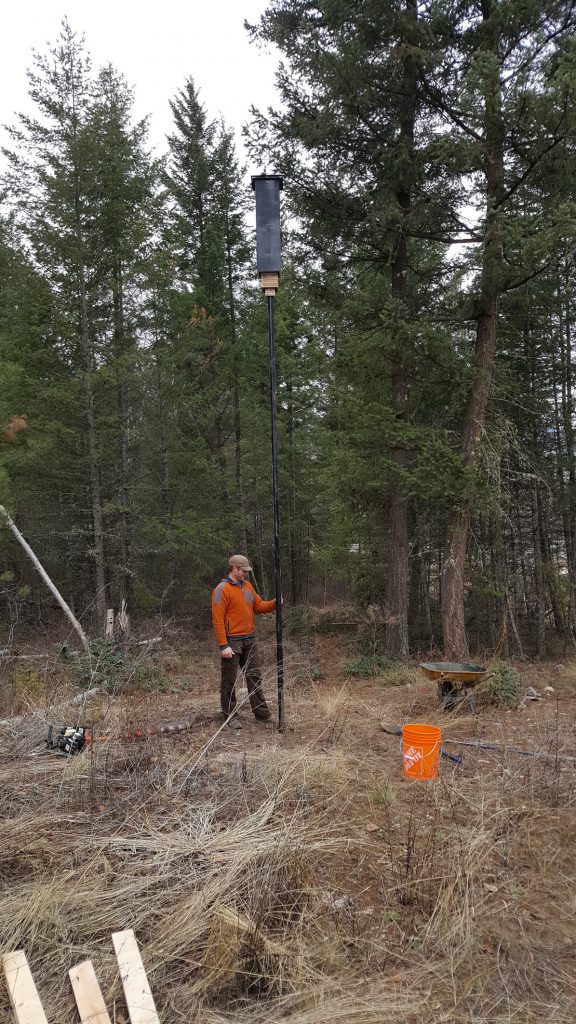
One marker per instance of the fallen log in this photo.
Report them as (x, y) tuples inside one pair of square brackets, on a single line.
[(41, 570)]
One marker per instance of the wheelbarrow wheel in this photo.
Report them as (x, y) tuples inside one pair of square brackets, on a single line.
[(447, 695)]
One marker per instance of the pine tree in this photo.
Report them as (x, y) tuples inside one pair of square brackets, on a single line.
[(354, 145), (50, 171), (389, 131), (125, 215), (492, 93), (209, 234), (82, 190)]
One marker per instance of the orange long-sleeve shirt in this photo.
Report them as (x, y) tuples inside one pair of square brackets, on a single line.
[(233, 607)]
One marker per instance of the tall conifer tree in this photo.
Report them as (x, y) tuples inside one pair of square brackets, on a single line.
[(50, 172), (354, 145)]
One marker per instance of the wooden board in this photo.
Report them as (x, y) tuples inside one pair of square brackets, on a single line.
[(87, 994), (139, 1001), (24, 998)]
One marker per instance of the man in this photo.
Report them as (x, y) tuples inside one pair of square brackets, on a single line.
[(234, 602)]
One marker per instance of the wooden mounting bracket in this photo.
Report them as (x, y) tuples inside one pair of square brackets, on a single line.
[(269, 282)]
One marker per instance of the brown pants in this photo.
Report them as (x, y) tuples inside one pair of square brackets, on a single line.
[(246, 658)]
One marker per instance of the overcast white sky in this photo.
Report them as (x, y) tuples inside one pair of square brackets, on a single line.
[(156, 45)]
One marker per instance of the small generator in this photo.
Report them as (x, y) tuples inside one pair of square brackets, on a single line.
[(70, 740)]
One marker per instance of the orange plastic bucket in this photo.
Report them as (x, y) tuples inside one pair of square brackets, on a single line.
[(421, 750)]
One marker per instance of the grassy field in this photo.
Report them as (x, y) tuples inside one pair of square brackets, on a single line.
[(357, 894)]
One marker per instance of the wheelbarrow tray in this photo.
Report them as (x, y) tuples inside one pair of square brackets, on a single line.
[(453, 671)]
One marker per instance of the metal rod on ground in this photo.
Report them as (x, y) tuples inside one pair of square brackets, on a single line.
[(395, 730), (550, 756), (276, 503)]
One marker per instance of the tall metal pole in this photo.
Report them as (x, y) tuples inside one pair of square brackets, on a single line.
[(276, 501), (268, 259)]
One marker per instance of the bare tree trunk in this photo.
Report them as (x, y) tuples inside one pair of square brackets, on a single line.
[(423, 577), (124, 574), (86, 354), (568, 422), (221, 460), (551, 574), (514, 627), (398, 582), (453, 605), (164, 480), (101, 599), (522, 546), (260, 552), (453, 620), (540, 595), (498, 584)]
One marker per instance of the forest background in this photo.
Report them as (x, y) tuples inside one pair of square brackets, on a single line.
[(424, 330)]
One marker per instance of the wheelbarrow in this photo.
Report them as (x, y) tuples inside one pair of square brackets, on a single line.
[(455, 681)]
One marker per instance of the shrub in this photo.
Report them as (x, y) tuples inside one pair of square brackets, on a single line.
[(371, 636), (504, 687), (104, 665), (148, 675), (110, 666), (298, 620), (370, 665), (335, 619)]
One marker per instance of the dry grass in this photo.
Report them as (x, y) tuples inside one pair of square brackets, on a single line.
[(368, 898)]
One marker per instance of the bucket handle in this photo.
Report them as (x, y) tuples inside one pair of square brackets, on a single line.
[(401, 745), (443, 753)]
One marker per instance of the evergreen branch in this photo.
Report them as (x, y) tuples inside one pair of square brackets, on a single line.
[(560, 30), (432, 236), (529, 277), (532, 164), (451, 112)]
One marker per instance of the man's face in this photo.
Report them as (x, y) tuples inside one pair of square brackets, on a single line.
[(237, 573)]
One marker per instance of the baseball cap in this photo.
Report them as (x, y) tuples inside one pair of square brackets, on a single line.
[(240, 562)]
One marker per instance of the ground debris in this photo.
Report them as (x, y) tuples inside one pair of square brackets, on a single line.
[(236, 946)]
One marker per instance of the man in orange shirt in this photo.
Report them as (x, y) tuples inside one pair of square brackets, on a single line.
[(234, 602)]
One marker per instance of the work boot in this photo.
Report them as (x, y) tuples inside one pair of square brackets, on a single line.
[(263, 718), (234, 723)]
